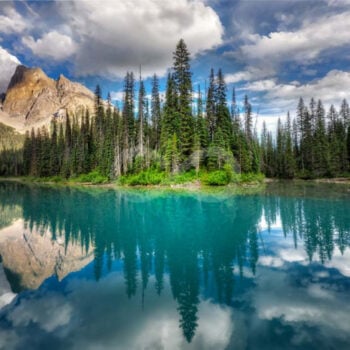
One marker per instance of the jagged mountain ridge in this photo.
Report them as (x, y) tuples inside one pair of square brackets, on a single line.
[(32, 99)]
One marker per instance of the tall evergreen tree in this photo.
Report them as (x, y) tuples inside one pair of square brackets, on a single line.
[(222, 113), (128, 137), (155, 114), (211, 105), (171, 116), (248, 119), (183, 84)]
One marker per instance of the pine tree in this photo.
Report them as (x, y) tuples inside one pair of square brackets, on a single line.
[(54, 161), (170, 123), (201, 123), (183, 84), (345, 113), (172, 156), (321, 150), (290, 165), (280, 150), (210, 106), (264, 166), (27, 152), (223, 119), (155, 114), (248, 119), (66, 170), (141, 120), (128, 137)]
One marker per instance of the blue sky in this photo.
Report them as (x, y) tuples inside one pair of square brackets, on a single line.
[(274, 51)]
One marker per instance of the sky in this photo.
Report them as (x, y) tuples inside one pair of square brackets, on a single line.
[(275, 51)]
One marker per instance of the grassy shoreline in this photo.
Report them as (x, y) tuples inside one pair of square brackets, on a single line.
[(187, 181), (196, 184)]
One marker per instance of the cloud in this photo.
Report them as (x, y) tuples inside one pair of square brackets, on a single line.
[(8, 64), (331, 89), (11, 21), (260, 85), (250, 73), (52, 45), (113, 39), (237, 77), (302, 45), (117, 96)]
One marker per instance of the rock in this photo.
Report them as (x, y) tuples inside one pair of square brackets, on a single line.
[(32, 99)]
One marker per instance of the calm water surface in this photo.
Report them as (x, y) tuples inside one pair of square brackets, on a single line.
[(105, 269)]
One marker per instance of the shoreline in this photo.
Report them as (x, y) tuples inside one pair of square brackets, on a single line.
[(195, 186), (192, 186)]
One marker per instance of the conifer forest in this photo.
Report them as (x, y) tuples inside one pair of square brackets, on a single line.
[(189, 130)]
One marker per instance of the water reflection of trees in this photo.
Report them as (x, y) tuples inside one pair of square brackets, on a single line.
[(321, 224), (195, 238), (10, 210)]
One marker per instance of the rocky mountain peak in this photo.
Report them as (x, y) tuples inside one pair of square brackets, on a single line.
[(32, 99), (24, 76)]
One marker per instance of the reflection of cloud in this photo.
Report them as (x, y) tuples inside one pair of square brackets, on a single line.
[(6, 295), (8, 339), (218, 336), (49, 313), (340, 261), (99, 315), (156, 327), (292, 255), (271, 261), (316, 303)]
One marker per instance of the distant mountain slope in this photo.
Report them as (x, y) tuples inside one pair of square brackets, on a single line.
[(10, 138), (32, 99)]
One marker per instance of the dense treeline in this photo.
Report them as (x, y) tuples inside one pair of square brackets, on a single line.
[(185, 133), (315, 144)]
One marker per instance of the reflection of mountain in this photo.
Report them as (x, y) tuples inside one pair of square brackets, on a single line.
[(28, 258)]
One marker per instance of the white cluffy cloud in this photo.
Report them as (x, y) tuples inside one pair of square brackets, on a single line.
[(8, 64), (331, 89), (11, 21), (116, 38), (52, 45), (301, 45)]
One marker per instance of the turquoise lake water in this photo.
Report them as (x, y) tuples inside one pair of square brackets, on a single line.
[(108, 269)]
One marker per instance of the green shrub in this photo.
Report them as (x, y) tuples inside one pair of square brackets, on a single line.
[(93, 177), (252, 177), (216, 178), (181, 178), (56, 179), (144, 178)]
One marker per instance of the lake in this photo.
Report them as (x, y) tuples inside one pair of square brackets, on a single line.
[(129, 269)]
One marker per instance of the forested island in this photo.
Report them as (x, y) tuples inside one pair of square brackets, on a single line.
[(150, 141)]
